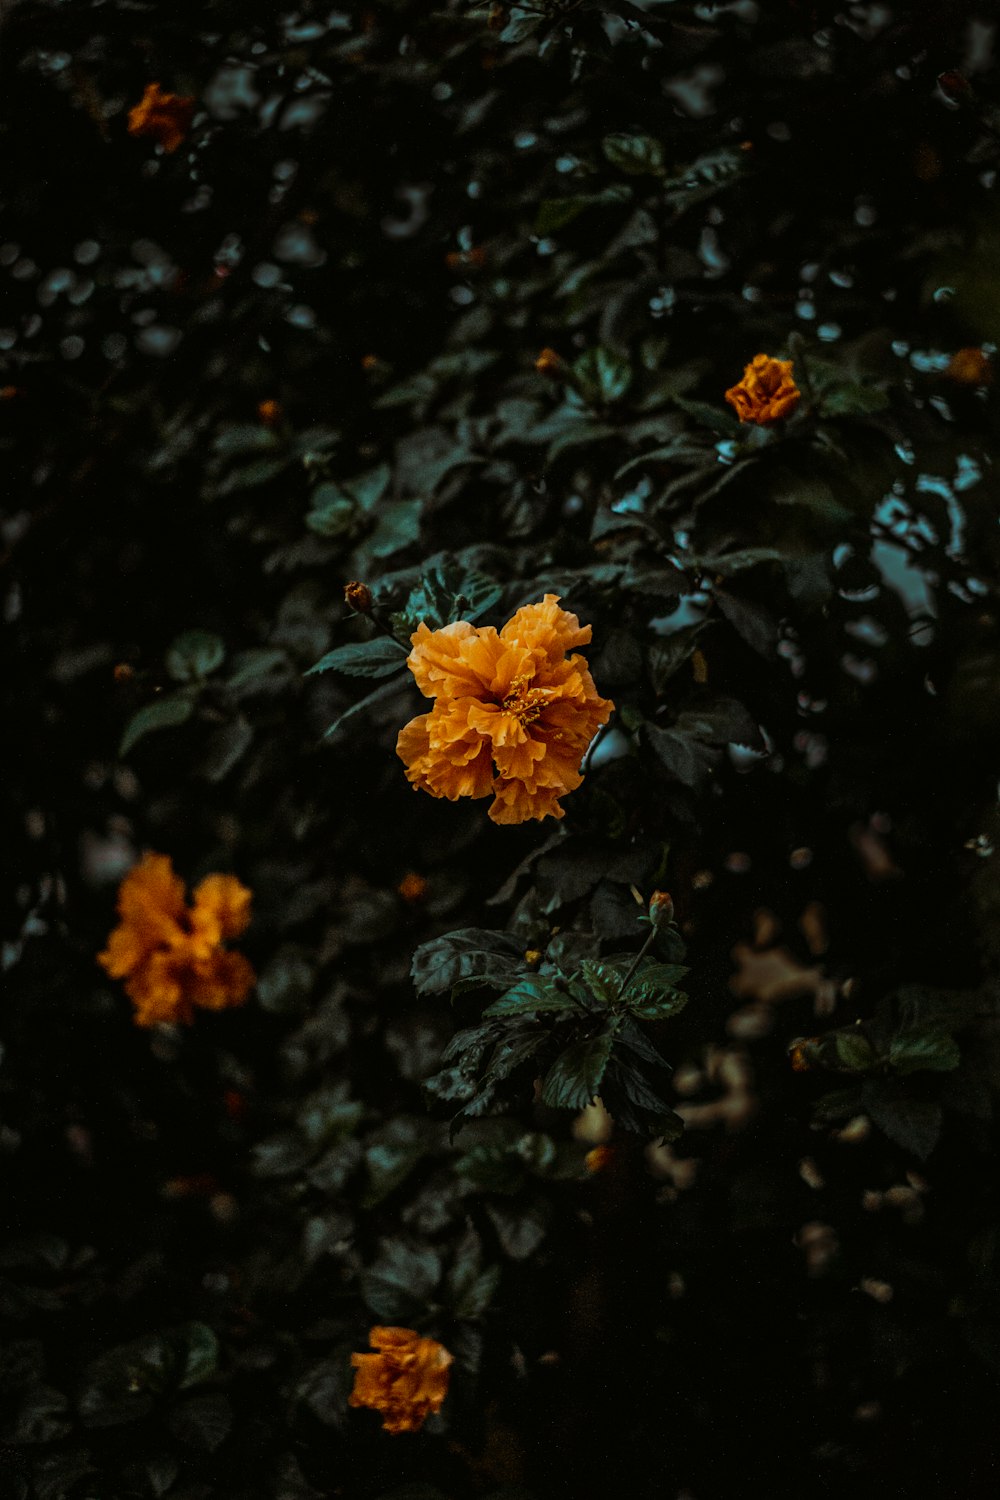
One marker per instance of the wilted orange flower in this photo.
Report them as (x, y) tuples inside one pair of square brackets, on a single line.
[(166, 117), (170, 954), (407, 1380), (767, 391), (512, 716), (970, 367)]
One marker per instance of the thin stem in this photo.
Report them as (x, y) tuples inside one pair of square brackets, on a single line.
[(637, 961)]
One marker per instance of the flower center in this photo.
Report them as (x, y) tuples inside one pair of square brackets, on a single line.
[(523, 702)]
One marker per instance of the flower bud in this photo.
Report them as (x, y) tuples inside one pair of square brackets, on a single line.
[(549, 362), (359, 597), (661, 908)]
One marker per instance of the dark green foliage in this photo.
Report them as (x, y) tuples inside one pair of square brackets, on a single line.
[(303, 349)]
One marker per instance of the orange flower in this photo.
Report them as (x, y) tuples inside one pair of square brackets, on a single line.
[(269, 412), (169, 954), (166, 117), (970, 367), (407, 1380), (598, 1158), (412, 887), (513, 714), (549, 362), (767, 391)]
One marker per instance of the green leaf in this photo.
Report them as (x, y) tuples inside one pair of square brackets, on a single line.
[(929, 1049), (650, 1001), (602, 375), (574, 1079), (491, 958), (555, 213), (379, 657), (198, 1353), (603, 981), (531, 995), (914, 1124), (399, 1285), (716, 418), (162, 713), (388, 692), (638, 155), (853, 1051), (195, 655)]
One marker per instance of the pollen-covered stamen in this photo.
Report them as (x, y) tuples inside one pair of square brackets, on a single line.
[(525, 703)]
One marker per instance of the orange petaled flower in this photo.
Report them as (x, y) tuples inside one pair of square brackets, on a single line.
[(970, 367), (166, 117), (767, 391), (412, 887), (407, 1380), (170, 954), (512, 716)]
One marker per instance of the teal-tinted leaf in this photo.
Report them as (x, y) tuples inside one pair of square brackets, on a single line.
[(716, 418), (928, 1049), (638, 155), (575, 1077), (379, 657), (227, 745), (197, 1351), (602, 375), (333, 512), (520, 1227), (705, 177), (162, 713), (652, 1002), (194, 655), (533, 994), (602, 981)]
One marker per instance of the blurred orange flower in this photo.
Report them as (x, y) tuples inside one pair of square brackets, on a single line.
[(767, 391), (407, 1380), (270, 412), (170, 954), (166, 117), (549, 362), (970, 367), (513, 714)]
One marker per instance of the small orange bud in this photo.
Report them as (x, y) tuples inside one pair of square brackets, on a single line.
[(370, 362), (412, 887), (970, 367), (359, 597), (270, 412), (661, 908), (798, 1055), (533, 957), (699, 666), (8, 392), (548, 362), (123, 672), (599, 1158)]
